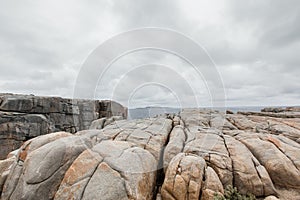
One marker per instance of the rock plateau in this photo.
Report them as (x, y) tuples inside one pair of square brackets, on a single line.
[(193, 155)]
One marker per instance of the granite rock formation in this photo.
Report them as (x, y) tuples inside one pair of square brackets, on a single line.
[(193, 155), (23, 117)]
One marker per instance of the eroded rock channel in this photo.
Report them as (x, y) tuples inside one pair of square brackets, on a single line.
[(193, 155)]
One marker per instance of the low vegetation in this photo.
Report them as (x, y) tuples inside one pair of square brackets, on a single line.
[(231, 193)]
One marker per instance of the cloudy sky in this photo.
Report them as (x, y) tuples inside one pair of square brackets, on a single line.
[(251, 47)]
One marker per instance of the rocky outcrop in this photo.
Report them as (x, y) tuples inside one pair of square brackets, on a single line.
[(281, 109), (23, 117), (119, 162), (277, 112), (194, 155)]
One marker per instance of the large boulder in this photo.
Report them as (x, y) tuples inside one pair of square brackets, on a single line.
[(41, 172), (184, 177)]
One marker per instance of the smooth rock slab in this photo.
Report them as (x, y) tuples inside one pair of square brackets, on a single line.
[(106, 183), (78, 175), (175, 145), (281, 169), (44, 168), (246, 171)]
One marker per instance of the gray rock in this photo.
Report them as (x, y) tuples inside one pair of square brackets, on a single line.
[(175, 145), (98, 123), (23, 117)]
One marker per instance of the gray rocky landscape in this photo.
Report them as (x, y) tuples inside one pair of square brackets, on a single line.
[(23, 117), (195, 154)]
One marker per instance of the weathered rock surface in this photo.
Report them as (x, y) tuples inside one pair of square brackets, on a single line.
[(184, 177), (212, 185), (255, 153), (194, 155), (23, 117)]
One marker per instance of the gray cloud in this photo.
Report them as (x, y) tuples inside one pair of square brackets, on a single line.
[(254, 44)]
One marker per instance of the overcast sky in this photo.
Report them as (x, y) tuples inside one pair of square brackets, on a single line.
[(254, 46)]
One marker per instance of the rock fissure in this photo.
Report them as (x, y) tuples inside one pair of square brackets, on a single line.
[(258, 174), (232, 164), (281, 150), (160, 174)]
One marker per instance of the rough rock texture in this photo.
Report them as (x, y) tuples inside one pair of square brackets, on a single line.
[(212, 185), (23, 117), (119, 162), (194, 155), (256, 153), (184, 177)]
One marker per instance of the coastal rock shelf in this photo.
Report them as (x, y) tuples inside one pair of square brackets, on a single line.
[(193, 155), (23, 117)]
